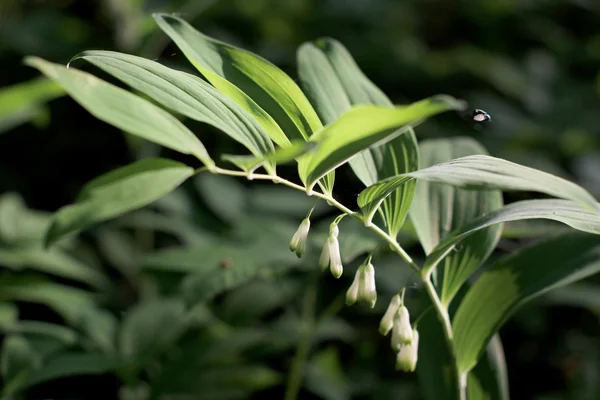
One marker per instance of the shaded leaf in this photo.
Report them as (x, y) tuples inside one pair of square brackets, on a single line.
[(62, 333), (74, 364), (438, 209), (124, 110), (9, 313), (118, 192), (564, 211), (489, 379), (514, 280), (17, 362), (18, 224), (22, 102)]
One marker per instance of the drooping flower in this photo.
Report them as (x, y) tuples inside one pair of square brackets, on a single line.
[(331, 253), (366, 289), (407, 357), (352, 293), (402, 333), (387, 322), (298, 242)]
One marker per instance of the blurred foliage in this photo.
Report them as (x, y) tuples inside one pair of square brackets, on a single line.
[(199, 293)]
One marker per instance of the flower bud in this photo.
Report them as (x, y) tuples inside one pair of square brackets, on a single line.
[(366, 287), (352, 293), (331, 253), (387, 322), (402, 333), (406, 360), (298, 242)]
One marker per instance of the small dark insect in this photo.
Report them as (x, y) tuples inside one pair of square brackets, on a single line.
[(481, 116), (226, 263)]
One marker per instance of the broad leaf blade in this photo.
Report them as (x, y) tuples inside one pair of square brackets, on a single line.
[(564, 211), (267, 85), (513, 281), (186, 94), (118, 192), (74, 364), (124, 110), (438, 209), (335, 83), (489, 379), (363, 127)]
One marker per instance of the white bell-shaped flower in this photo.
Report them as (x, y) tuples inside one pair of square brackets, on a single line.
[(366, 288), (387, 322), (331, 253), (298, 242), (402, 333), (407, 357)]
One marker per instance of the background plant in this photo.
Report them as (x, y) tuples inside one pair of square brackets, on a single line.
[(308, 207)]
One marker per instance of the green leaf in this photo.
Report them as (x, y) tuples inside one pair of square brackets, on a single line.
[(118, 192), (61, 333), (224, 195), (70, 303), (52, 261), (17, 362), (280, 156), (435, 369), (150, 328), (489, 380), (514, 280), (186, 94), (9, 313), (481, 172), (334, 83), (19, 225), (74, 364), (124, 110), (22, 102), (362, 127), (100, 326), (564, 211), (438, 209), (270, 88)]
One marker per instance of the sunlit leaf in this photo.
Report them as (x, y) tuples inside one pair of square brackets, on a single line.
[(514, 280), (124, 110), (269, 87), (186, 94), (335, 83), (118, 192), (363, 127)]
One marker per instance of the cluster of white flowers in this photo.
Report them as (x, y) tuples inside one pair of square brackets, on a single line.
[(405, 338)]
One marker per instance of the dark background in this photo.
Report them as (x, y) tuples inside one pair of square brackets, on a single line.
[(532, 65)]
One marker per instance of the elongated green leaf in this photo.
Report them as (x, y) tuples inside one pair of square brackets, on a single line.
[(438, 209), (185, 94), (74, 364), (280, 156), (62, 333), (363, 127), (513, 281), (481, 172), (52, 261), (269, 87), (489, 380), (20, 226), (335, 83), (124, 110), (18, 361), (118, 192), (70, 303), (564, 211), (22, 102), (9, 313)]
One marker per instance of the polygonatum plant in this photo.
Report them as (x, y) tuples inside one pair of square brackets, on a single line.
[(449, 188)]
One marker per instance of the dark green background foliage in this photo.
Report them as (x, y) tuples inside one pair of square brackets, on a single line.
[(104, 314)]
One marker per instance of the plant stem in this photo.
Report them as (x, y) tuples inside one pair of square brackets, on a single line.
[(441, 310), (296, 374)]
